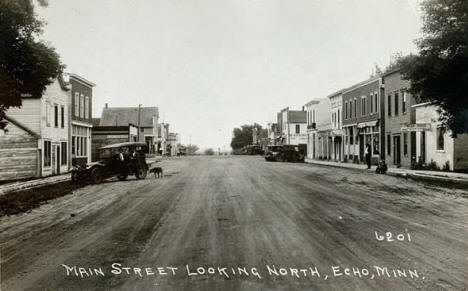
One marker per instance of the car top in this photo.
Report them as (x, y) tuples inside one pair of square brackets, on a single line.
[(124, 144)]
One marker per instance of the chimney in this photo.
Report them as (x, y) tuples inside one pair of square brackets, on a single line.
[(106, 105)]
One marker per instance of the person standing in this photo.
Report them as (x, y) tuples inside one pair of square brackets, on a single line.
[(368, 156)]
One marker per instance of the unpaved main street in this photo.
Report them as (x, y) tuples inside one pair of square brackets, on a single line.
[(242, 212)]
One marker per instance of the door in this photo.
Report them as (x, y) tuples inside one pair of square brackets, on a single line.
[(396, 150)]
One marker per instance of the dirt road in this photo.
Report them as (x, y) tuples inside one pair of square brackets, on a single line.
[(240, 223)]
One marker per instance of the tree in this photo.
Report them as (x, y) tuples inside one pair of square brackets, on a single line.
[(27, 65), (243, 136), (439, 73), (192, 149), (209, 152)]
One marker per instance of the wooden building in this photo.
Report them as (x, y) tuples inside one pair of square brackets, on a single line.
[(35, 141)]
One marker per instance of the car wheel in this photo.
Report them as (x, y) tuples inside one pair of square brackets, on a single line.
[(141, 173), (96, 175)]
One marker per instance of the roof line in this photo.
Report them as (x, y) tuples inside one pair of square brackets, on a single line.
[(23, 127)]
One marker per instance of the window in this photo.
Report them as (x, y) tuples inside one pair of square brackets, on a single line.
[(440, 138), (62, 116), (73, 150), (298, 128), (77, 104), (396, 104), (86, 109), (376, 102), (403, 105), (47, 113), (405, 144), (371, 109), (389, 144), (363, 106), (389, 109), (82, 106), (63, 160), (338, 114), (375, 149), (346, 110), (56, 117), (47, 153)]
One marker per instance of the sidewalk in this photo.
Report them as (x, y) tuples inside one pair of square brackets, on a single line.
[(51, 180), (401, 172)]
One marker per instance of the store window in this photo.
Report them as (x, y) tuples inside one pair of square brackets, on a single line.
[(64, 148), (376, 143), (351, 136), (47, 153), (298, 128)]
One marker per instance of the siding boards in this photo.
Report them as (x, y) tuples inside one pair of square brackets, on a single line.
[(18, 154)]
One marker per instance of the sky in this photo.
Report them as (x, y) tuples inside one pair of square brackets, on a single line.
[(212, 65)]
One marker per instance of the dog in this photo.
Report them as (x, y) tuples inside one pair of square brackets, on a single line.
[(158, 172)]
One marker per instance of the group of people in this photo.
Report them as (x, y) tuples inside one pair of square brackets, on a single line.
[(126, 157)]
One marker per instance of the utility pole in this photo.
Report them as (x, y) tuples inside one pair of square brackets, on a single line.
[(139, 130)]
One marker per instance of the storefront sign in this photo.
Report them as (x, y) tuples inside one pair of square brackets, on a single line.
[(416, 127)]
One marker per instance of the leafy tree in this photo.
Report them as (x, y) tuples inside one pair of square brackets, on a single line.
[(27, 65), (209, 152), (192, 149), (243, 136), (439, 73)]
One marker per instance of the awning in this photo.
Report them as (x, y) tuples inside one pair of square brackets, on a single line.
[(367, 124), (416, 127)]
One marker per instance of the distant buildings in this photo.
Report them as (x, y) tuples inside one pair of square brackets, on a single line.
[(292, 125), (379, 112), (144, 118)]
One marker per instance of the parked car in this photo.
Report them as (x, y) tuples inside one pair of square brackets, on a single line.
[(284, 153), (110, 164)]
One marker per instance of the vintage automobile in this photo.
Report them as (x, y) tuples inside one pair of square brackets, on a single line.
[(284, 153), (110, 164)]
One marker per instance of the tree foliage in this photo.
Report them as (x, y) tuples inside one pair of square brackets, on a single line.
[(27, 65), (192, 149), (243, 136), (209, 152), (439, 73)]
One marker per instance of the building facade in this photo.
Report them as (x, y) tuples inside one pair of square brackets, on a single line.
[(434, 146), (318, 127), (35, 142), (81, 119), (145, 118), (361, 120), (163, 136), (293, 127), (336, 108), (106, 135), (400, 145)]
